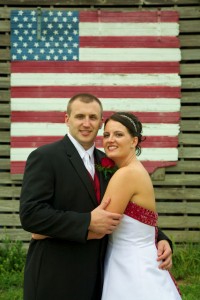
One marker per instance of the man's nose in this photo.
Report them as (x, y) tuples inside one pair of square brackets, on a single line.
[(86, 122)]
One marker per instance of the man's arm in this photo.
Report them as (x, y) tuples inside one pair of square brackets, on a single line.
[(165, 249)]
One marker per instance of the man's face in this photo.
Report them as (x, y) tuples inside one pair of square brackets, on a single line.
[(84, 122)]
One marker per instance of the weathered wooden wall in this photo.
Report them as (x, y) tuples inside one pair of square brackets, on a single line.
[(177, 188)]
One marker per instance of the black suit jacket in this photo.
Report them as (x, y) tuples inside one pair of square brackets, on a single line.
[(56, 199)]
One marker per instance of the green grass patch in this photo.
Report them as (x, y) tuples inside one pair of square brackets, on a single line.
[(186, 266)]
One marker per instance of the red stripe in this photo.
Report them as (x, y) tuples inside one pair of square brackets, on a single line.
[(37, 141), (136, 16), (94, 67), (129, 42), (58, 117), (98, 91), (18, 167)]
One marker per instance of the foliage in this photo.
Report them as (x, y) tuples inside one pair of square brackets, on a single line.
[(12, 256)]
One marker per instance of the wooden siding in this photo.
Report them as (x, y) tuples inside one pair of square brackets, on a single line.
[(177, 188)]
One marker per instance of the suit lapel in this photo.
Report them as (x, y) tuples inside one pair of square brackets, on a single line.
[(79, 167)]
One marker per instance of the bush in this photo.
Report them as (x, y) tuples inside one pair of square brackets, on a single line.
[(12, 256)]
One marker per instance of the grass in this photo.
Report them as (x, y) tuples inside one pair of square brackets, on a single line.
[(186, 266)]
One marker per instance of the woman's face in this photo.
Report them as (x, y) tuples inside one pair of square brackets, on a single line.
[(117, 141)]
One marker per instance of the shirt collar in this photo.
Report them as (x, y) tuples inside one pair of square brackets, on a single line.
[(80, 148)]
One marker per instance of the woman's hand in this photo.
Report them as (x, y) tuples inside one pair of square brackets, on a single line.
[(37, 236)]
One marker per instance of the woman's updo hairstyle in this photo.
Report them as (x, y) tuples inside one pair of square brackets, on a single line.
[(133, 125)]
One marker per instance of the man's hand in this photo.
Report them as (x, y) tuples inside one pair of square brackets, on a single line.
[(37, 236), (164, 255), (102, 221)]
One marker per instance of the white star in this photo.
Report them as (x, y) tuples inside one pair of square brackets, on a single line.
[(43, 38), (20, 12), (30, 38), (44, 32), (30, 25), (19, 51), (66, 32), (51, 38), (75, 57), (33, 32), (14, 57), (75, 45), (60, 13), (60, 26), (33, 13), (25, 45), (50, 26), (36, 45), (25, 32), (33, 19), (46, 19), (16, 31), (55, 57), (51, 51), (57, 44), (21, 38), (55, 19), (65, 57), (69, 26), (30, 51), (51, 13), (64, 19), (55, 32), (60, 51), (42, 51), (65, 45), (15, 19), (69, 51), (75, 32), (75, 19), (69, 13), (47, 45), (48, 57), (25, 19), (70, 38), (20, 25), (15, 45), (36, 57), (24, 57), (61, 38)]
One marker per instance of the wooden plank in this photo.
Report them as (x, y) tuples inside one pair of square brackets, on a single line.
[(15, 234), (190, 97), (179, 222), (5, 68), (189, 152), (4, 95), (189, 166), (189, 139), (163, 193), (5, 150), (189, 26), (9, 205), (4, 40), (4, 81), (4, 123), (5, 136), (189, 40), (4, 165), (190, 54), (188, 125), (190, 69), (97, 2), (180, 236), (5, 109), (190, 111), (179, 180), (190, 83), (178, 207), (10, 220)]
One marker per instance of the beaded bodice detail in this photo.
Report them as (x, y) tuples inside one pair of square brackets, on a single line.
[(141, 214)]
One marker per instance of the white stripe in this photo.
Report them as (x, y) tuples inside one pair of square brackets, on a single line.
[(51, 79), (109, 104), (128, 29), (59, 129), (153, 154), (129, 54)]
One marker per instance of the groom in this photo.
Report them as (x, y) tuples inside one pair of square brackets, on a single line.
[(59, 200)]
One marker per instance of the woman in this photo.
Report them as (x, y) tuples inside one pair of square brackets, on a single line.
[(131, 268)]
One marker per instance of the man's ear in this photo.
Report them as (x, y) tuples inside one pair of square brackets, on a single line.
[(66, 119), (101, 124)]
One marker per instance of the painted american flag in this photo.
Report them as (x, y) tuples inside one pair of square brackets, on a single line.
[(129, 59)]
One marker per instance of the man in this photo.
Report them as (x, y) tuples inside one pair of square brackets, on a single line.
[(59, 200)]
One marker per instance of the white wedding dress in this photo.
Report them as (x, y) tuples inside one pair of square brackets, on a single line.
[(131, 269)]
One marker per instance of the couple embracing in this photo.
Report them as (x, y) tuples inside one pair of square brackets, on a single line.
[(94, 236)]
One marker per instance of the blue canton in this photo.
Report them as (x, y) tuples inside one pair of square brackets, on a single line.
[(44, 35)]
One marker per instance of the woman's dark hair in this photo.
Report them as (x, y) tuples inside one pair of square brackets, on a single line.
[(133, 125)]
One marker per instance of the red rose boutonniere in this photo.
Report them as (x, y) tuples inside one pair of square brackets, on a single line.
[(107, 166)]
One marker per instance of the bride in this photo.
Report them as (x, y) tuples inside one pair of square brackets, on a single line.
[(131, 266)]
